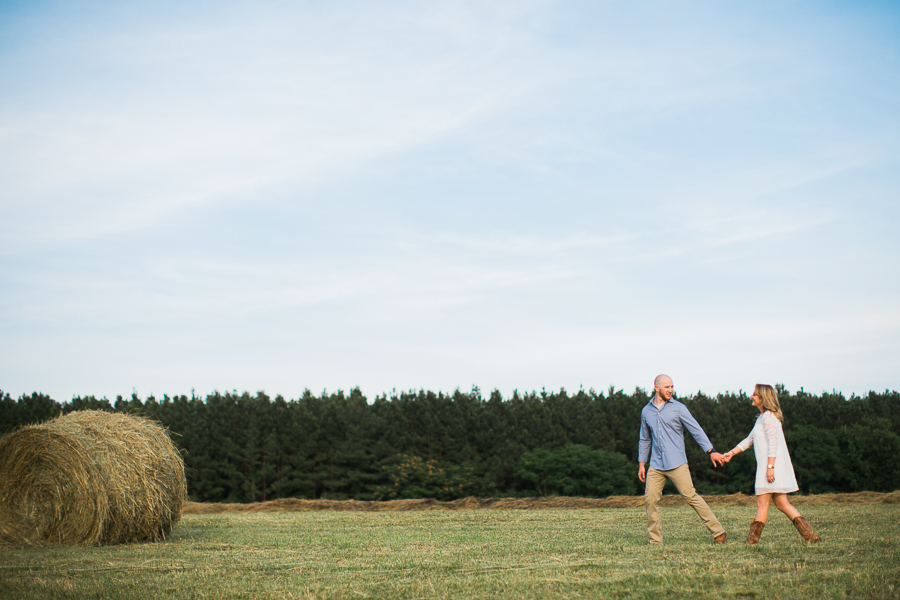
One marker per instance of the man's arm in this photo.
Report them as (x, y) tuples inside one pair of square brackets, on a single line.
[(688, 420), (643, 449)]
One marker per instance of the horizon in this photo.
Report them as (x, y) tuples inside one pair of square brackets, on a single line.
[(485, 394)]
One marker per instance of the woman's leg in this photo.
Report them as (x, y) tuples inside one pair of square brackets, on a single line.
[(762, 507), (803, 527), (784, 505)]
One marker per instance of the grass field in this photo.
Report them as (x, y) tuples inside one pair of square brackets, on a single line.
[(600, 553)]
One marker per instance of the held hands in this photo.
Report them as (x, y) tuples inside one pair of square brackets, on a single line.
[(726, 458), (717, 459)]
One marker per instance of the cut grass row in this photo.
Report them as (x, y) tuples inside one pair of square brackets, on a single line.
[(600, 553)]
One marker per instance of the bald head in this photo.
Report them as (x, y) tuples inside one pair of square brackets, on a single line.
[(664, 387)]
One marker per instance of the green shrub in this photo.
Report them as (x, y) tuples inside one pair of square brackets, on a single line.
[(577, 470), (415, 477)]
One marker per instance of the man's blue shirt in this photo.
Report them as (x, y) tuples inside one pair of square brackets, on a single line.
[(662, 435)]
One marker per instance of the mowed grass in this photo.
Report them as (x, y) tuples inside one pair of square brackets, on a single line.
[(477, 554)]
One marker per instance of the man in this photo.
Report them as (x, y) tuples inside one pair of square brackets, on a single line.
[(662, 442)]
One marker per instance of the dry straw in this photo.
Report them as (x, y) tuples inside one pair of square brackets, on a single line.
[(472, 503), (88, 478)]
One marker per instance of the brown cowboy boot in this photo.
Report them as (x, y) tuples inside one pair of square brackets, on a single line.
[(756, 528), (806, 531)]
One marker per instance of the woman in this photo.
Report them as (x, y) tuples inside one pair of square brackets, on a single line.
[(774, 473)]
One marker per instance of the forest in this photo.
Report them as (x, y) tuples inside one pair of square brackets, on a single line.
[(242, 447)]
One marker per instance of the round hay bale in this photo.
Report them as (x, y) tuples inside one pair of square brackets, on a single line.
[(88, 478)]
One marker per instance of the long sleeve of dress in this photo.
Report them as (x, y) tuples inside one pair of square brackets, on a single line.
[(748, 441), (770, 428)]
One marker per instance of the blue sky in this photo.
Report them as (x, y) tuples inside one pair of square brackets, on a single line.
[(398, 195)]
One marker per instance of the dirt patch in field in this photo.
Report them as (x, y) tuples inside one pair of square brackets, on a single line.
[(472, 503)]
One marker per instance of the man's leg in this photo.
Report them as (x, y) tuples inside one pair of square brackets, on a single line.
[(652, 494), (681, 477)]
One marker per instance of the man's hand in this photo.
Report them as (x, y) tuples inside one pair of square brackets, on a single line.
[(642, 473), (717, 459)]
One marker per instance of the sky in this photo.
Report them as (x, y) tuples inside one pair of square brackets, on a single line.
[(280, 196)]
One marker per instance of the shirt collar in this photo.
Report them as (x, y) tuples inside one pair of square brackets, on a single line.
[(664, 401)]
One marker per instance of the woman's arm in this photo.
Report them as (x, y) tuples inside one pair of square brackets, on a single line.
[(771, 425), (770, 429), (746, 443)]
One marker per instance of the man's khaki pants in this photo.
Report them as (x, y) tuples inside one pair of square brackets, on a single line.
[(681, 477)]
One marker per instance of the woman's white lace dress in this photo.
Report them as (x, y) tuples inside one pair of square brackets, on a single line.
[(767, 439)]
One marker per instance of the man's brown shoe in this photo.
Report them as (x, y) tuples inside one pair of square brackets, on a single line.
[(720, 539)]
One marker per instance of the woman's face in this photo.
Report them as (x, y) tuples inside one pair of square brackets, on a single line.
[(756, 398)]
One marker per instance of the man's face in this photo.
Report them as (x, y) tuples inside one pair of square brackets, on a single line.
[(665, 389)]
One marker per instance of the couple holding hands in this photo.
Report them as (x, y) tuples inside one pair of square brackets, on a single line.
[(663, 422)]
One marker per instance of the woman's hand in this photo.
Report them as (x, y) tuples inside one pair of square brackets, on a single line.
[(770, 475), (728, 456)]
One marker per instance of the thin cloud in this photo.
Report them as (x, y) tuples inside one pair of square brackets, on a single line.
[(511, 194)]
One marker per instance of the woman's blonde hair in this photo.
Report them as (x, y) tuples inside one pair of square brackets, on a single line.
[(769, 398)]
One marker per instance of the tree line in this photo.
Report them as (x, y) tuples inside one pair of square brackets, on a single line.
[(251, 447)]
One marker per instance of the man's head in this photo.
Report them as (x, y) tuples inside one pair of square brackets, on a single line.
[(664, 387)]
